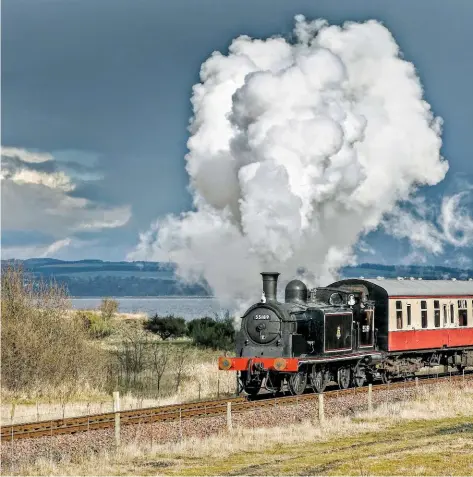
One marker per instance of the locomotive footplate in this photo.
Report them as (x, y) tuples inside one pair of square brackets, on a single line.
[(289, 365), (258, 364)]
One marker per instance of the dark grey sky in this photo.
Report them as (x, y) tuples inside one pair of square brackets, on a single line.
[(104, 87)]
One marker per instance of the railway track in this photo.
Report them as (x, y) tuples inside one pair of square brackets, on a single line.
[(176, 412)]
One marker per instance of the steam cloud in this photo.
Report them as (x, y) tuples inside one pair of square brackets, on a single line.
[(297, 149)]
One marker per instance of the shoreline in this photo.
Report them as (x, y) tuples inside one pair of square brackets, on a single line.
[(151, 297)]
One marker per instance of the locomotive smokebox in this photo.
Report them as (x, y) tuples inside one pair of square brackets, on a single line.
[(270, 285)]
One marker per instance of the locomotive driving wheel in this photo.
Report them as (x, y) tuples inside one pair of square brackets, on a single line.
[(252, 390), (274, 382), (251, 386), (344, 377), (297, 382), (319, 379), (386, 377), (359, 376)]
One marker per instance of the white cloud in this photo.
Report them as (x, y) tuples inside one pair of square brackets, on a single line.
[(54, 180), (456, 219), (52, 250), (26, 156), (56, 246), (430, 231), (37, 199)]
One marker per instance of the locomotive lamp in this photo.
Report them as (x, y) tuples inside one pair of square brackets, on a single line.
[(225, 363), (279, 364)]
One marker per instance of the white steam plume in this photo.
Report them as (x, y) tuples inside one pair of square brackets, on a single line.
[(297, 149), (432, 230)]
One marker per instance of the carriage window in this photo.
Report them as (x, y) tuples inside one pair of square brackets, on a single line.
[(452, 314), (462, 313), (399, 314), (445, 315), (437, 313), (409, 315), (423, 311)]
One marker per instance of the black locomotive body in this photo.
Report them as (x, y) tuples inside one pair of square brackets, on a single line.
[(338, 333)]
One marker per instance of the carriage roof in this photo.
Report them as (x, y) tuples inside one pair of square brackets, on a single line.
[(415, 287)]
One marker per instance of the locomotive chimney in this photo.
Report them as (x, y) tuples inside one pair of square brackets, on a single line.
[(270, 285)]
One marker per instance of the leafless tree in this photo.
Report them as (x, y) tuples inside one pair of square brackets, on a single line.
[(180, 359), (160, 356)]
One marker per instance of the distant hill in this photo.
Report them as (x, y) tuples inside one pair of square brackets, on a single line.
[(96, 278)]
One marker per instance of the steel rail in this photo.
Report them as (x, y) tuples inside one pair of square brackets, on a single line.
[(175, 412)]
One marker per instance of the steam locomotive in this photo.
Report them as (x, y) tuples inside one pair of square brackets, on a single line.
[(352, 332)]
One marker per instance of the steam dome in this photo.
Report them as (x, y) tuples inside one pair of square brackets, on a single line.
[(296, 292)]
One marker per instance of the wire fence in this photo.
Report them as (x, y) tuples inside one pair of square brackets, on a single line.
[(144, 393)]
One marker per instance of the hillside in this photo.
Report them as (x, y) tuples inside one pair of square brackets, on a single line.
[(93, 278)]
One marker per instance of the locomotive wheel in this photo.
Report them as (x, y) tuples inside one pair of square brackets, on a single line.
[(251, 387), (274, 383), (344, 377), (252, 390), (385, 378), (297, 382), (319, 380), (359, 377)]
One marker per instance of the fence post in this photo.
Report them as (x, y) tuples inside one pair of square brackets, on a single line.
[(12, 413), (218, 385), (180, 424), (229, 416), (370, 398), (321, 409), (116, 410), (417, 382)]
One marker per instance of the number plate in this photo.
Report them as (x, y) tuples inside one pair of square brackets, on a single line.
[(261, 317)]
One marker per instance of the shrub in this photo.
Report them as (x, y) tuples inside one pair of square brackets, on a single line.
[(96, 325), (132, 357), (108, 308), (44, 347), (212, 333), (167, 326)]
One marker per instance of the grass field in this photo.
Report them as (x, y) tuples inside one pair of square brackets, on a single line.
[(417, 447), (429, 435)]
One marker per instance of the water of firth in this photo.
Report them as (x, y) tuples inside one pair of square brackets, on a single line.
[(186, 307)]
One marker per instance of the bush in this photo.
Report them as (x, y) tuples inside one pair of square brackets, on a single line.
[(108, 308), (44, 346), (167, 326), (96, 325), (212, 333)]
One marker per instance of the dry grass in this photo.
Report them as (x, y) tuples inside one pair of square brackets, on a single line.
[(202, 379), (52, 368), (430, 435), (43, 350)]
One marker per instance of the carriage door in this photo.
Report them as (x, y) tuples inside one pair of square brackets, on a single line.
[(366, 327)]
